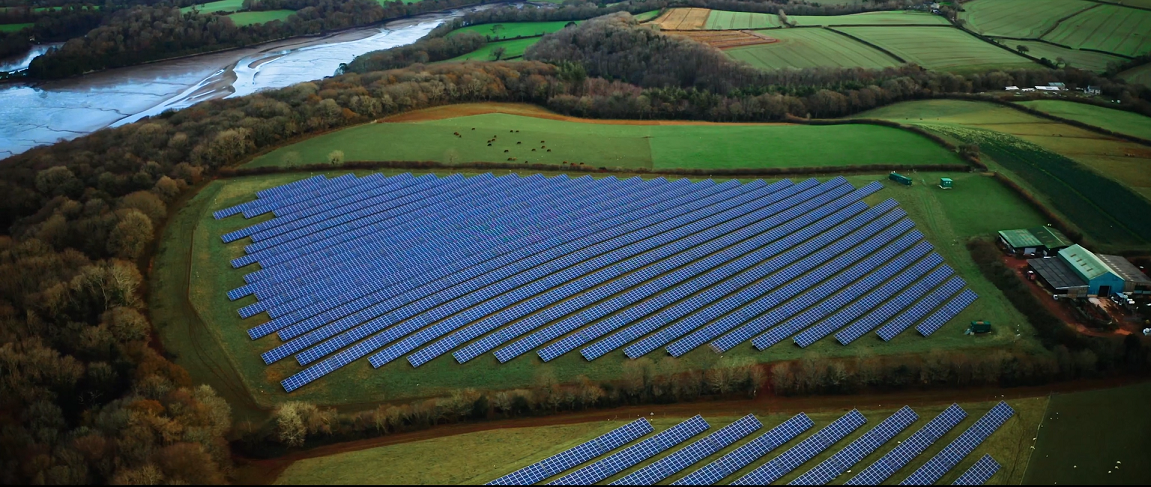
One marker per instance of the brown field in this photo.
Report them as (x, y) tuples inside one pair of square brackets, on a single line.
[(726, 39), (683, 19)]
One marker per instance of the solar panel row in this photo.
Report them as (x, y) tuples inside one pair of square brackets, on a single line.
[(270, 195), (979, 473), (799, 454), (863, 446), (747, 453), (958, 449), (563, 461), (889, 309), (919, 309), (902, 454), (690, 454), (632, 455)]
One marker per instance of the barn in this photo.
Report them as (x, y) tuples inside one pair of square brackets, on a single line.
[(1033, 241), (1077, 273)]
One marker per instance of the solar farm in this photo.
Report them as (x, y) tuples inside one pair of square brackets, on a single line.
[(753, 461), (418, 267)]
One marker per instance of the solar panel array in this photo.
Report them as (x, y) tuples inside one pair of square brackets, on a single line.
[(386, 267), (807, 449), (979, 473), (689, 455), (634, 454), (910, 448), (558, 463), (863, 446), (958, 449), (748, 452)]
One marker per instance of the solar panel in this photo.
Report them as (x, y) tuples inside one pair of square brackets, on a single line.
[(690, 454), (572, 457), (863, 446), (806, 450), (634, 454), (749, 452), (946, 313), (908, 449), (920, 309), (958, 449), (979, 473)]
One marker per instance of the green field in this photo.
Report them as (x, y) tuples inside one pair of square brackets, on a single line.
[(479, 457), (909, 17), (939, 48), (1086, 60), (810, 48), (15, 27), (1138, 75), (202, 330), (626, 146), (646, 16), (724, 20), (512, 49), (512, 30), (1025, 19), (219, 6), (1109, 28), (248, 18), (1120, 121), (1094, 438)]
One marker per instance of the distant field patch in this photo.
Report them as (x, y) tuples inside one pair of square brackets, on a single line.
[(1109, 28), (909, 17), (219, 6), (1138, 75), (1120, 121), (511, 30), (939, 48), (1085, 60), (809, 48), (646, 16), (724, 20), (1018, 18), (248, 18), (512, 49), (726, 39), (683, 19), (15, 27)]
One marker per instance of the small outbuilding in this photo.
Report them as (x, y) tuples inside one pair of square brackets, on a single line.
[(1034, 241)]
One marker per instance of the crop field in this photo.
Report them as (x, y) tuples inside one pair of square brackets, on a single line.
[(1024, 19), (218, 6), (646, 16), (14, 27), (909, 17), (1121, 161), (511, 30), (724, 20), (615, 145), (1108, 28), (810, 48), (1111, 424), (726, 39), (939, 48), (512, 49), (480, 457), (210, 339), (1120, 121), (682, 19), (1085, 60), (248, 18)]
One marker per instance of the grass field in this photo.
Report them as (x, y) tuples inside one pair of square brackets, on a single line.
[(220, 353), (1025, 19), (512, 30), (1086, 60), (1120, 121), (939, 48), (479, 457), (909, 17), (809, 48), (512, 49), (218, 6), (612, 145), (15, 27), (1109, 28), (724, 20), (1085, 434), (646, 16), (248, 18), (682, 19), (1138, 75)]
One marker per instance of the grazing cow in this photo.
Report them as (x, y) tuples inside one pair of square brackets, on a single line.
[(533, 150), (518, 143), (505, 150), (489, 144), (457, 134), (549, 150), (473, 128)]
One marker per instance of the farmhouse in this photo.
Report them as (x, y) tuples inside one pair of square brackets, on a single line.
[(1078, 273), (1032, 241)]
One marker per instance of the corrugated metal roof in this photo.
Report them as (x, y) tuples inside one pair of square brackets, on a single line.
[(1057, 273), (1125, 269), (1021, 238), (1085, 263), (1051, 237)]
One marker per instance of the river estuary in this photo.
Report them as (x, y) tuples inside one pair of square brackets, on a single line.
[(43, 113)]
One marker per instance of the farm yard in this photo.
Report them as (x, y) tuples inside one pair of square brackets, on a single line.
[(939, 48), (810, 48), (490, 454)]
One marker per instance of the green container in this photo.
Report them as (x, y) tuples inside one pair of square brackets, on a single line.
[(899, 178), (944, 182), (980, 326)]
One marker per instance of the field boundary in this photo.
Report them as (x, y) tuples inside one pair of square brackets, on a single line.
[(1104, 2), (1054, 118), (869, 44)]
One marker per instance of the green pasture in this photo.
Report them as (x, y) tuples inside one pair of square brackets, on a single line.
[(480, 457), (939, 48), (512, 49), (611, 145), (511, 30), (1094, 438), (811, 48), (15, 27), (1024, 19), (218, 6), (248, 18), (909, 17), (646, 16), (1085, 60), (1108, 28), (1120, 121), (1138, 75), (201, 328), (725, 20)]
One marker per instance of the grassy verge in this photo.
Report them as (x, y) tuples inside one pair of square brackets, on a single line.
[(479, 457)]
